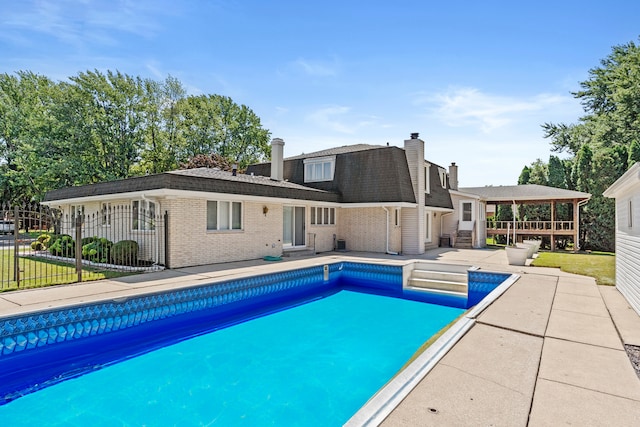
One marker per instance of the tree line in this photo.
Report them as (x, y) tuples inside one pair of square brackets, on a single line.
[(105, 126), (602, 145)]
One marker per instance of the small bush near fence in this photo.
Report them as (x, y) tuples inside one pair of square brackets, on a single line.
[(63, 245), (96, 249), (124, 252), (40, 248)]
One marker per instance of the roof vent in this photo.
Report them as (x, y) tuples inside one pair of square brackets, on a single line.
[(415, 135)]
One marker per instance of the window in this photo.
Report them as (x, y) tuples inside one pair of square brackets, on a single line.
[(77, 211), (323, 216), (630, 214), (443, 177), (143, 215), (427, 178), (397, 217), (224, 215), (319, 169), (427, 226), (106, 214), (466, 211)]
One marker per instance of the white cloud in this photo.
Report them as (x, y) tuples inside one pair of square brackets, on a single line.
[(317, 68), (331, 118), (460, 107), (77, 22)]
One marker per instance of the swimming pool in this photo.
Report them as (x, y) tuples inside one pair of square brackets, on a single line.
[(46, 348)]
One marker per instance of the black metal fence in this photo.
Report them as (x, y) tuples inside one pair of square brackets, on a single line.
[(40, 246)]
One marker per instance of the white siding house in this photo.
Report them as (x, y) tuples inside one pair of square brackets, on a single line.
[(626, 192)]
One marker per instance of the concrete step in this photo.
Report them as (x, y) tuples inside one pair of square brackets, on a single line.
[(439, 285), (437, 291), (462, 245), (298, 253), (439, 275)]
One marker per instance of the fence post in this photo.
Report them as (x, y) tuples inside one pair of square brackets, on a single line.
[(79, 247), (16, 249)]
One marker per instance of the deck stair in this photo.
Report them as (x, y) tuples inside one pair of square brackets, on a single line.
[(464, 240), (438, 282)]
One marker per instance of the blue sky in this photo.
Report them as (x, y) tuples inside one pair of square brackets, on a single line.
[(475, 79)]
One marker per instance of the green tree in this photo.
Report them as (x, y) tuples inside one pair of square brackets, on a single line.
[(537, 175), (104, 126), (556, 173), (215, 124), (113, 109), (634, 153), (161, 136), (525, 175), (26, 129)]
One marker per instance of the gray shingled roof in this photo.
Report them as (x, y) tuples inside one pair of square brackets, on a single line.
[(228, 176), (201, 179), (524, 192), (365, 174), (337, 150)]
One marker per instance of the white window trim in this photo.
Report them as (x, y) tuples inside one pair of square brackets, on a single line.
[(398, 217), (462, 203), (428, 222), (74, 211), (218, 210), (443, 177), (427, 179), (320, 160), (105, 213), (147, 204), (317, 213)]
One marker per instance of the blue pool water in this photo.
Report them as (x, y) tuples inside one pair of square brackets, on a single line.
[(314, 364)]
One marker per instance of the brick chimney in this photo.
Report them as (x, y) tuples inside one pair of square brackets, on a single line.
[(453, 176), (413, 234), (277, 159)]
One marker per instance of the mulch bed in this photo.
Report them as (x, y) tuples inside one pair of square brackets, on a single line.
[(634, 355)]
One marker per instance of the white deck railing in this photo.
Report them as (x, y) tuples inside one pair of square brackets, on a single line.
[(531, 225)]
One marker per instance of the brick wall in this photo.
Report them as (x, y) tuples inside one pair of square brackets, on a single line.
[(191, 244), (364, 229)]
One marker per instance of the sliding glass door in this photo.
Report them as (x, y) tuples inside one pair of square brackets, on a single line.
[(293, 232)]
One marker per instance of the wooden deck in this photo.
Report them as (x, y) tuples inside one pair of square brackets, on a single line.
[(531, 228)]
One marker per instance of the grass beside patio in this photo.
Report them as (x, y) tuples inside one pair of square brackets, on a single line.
[(599, 265), (40, 272)]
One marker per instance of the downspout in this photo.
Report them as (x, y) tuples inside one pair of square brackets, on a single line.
[(577, 243), (387, 236)]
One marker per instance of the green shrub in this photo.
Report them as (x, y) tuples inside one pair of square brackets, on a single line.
[(42, 243), (63, 245), (96, 249), (45, 239), (88, 240), (125, 252)]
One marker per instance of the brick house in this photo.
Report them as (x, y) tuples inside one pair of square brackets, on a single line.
[(359, 197)]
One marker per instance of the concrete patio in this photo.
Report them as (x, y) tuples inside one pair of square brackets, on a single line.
[(549, 351)]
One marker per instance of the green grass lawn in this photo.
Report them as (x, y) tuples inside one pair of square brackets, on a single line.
[(38, 272), (601, 266)]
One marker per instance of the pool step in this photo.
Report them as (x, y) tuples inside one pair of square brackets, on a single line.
[(439, 275), (439, 282)]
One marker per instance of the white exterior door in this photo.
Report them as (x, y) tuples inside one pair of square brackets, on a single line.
[(467, 215)]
